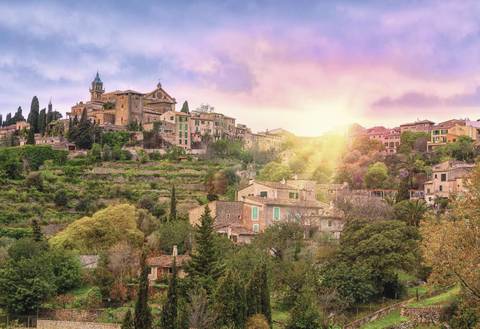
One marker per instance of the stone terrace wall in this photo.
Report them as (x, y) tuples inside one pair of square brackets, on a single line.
[(49, 324), (430, 315), (372, 317)]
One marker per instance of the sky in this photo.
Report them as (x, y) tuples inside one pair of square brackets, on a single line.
[(306, 66)]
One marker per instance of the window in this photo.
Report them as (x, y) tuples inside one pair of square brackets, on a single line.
[(293, 195), (256, 228), (440, 188), (436, 176), (179, 141), (264, 194), (254, 213), (276, 213), (443, 178), (186, 142), (329, 223)]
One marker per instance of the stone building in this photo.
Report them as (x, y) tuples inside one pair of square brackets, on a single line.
[(448, 179), (123, 107), (417, 126), (449, 131), (262, 204)]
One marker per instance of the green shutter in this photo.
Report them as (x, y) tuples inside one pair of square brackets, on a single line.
[(276, 213), (254, 213)]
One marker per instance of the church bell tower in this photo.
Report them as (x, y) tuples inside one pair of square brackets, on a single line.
[(97, 88)]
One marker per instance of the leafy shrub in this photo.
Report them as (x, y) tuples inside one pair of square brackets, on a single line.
[(34, 179)]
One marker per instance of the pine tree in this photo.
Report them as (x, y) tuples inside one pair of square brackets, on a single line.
[(258, 294), (173, 205), (230, 302), (169, 310), (34, 114), (37, 231), (31, 137), (205, 266), (143, 315), (185, 108), (127, 321)]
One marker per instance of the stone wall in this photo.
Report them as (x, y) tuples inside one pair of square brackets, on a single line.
[(428, 315), (375, 315), (72, 315), (49, 324)]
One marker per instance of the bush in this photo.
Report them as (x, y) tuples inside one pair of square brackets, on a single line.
[(61, 198), (34, 179), (257, 321)]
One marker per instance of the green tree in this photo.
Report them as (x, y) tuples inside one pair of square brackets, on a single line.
[(411, 211), (42, 122), (377, 175), (37, 231), (185, 108), (258, 293), (230, 301), (31, 137), (169, 313), (205, 266), (274, 171), (106, 153), (26, 283), (305, 314), (95, 153), (33, 116), (128, 321), (173, 205), (143, 315)]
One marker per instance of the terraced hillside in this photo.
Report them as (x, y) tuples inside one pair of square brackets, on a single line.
[(57, 194)]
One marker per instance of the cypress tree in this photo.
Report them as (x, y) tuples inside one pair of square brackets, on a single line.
[(173, 205), (403, 190), (143, 315), (1, 121), (185, 108), (37, 231), (205, 266), (230, 303), (169, 311), (34, 114), (258, 294), (31, 137), (8, 119), (42, 122), (128, 321), (265, 294)]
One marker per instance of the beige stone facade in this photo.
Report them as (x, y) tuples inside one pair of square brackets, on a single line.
[(123, 107), (448, 179)]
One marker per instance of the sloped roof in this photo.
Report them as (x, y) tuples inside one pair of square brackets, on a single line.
[(287, 202), (276, 185), (167, 260)]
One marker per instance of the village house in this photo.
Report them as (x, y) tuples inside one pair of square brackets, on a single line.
[(389, 138), (449, 131), (262, 204), (417, 126), (448, 179), (123, 107), (161, 266)]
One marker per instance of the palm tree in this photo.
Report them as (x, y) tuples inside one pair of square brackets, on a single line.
[(411, 211)]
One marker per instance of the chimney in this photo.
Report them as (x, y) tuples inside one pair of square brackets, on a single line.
[(229, 232), (250, 181), (283, 181), (175, 251)]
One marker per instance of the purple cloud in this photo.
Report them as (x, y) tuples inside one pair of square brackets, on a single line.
[(424, 100)]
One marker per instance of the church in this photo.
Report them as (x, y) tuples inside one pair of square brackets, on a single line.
[(123, 107)]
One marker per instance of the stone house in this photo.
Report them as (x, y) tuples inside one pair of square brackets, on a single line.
[(161, 266), (417, 126), (448, 178), (449, 131)]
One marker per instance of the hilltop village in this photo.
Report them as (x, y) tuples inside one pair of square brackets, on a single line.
[(131, 213)]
